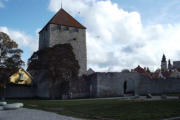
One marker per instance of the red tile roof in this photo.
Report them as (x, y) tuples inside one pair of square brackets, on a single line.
[(166, 73), (155, 75), (63, 18), (139, 69)]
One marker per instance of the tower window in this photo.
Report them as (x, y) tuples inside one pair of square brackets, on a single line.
[(76, 29), (53, 28), (66, 28), (59, 27)]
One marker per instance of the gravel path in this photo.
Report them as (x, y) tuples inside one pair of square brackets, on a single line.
[(31, 114)]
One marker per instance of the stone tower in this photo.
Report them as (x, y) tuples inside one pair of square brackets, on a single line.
[(61, 29), (164, 63)]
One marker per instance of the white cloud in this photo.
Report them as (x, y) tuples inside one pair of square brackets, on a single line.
[(23, 40), (77, 5), (117, 39), (1, 5)]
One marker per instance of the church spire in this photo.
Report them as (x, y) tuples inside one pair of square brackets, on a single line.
[(169, 65), (163, 58), (164, 63)]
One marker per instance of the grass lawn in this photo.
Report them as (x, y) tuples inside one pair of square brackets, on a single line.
[(109, 109)]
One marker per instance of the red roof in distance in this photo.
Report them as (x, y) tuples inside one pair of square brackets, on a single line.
[(63, 18), (166, 73), (139, 69)]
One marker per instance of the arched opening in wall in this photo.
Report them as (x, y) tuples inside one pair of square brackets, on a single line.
[(125, 87)]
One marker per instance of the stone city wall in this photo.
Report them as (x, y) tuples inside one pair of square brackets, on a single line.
[(113, 84), (19, 92), (158, 86)]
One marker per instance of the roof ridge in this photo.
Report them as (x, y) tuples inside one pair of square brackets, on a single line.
[(64, 18)]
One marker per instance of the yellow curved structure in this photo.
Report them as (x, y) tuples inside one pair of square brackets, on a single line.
[(21, 77)]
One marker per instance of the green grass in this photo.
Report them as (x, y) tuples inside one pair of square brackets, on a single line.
[(168, 94), (109, 109)]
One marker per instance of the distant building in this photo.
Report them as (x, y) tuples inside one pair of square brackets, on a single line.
[(169, 65), (164, 63), (143, 71), (176, 64), (139, 69), (170, 71), (175, 74)]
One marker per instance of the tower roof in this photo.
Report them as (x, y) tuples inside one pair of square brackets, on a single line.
[(163, 58), (169, 62), (63, 18)]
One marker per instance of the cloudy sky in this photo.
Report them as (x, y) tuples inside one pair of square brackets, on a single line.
[(121, 34)]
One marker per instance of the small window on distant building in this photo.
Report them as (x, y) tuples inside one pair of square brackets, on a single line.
[(74, 39)]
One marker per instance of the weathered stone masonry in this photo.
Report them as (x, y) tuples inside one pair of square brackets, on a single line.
[(112, 84), (53, 34)]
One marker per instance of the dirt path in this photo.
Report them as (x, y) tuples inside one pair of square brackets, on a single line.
[(31, 114)]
